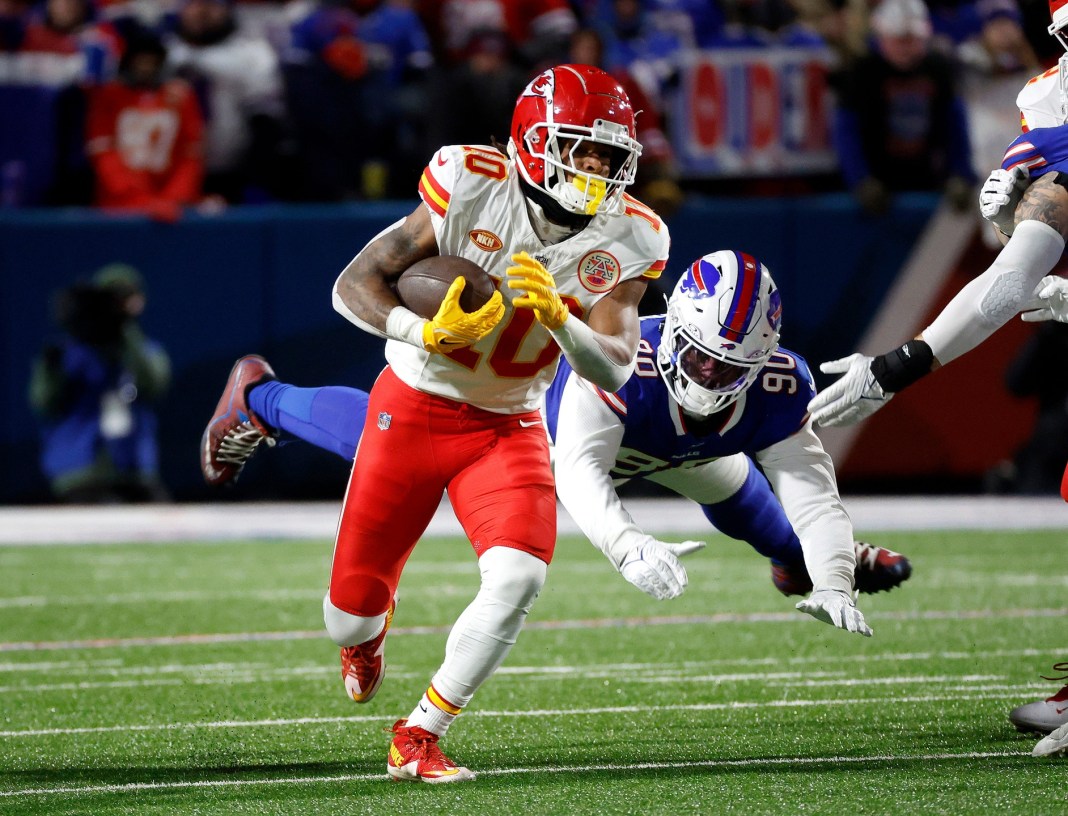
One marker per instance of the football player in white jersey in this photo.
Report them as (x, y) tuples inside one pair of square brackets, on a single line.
[(1026, 199), (572, 253)]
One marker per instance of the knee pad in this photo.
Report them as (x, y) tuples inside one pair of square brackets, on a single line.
[(511, 577), (346, 629)]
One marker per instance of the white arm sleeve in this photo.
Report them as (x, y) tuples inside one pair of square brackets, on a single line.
[(987, 303), (342, 308), (579, 344), (588, 435), (802, 475)]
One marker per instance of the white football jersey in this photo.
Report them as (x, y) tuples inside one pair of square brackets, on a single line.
[(1042, 102), (479, 212)]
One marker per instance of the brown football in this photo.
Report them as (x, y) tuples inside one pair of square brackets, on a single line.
[(422, 285)]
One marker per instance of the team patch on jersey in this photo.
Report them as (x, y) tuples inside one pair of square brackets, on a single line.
[(484, 239), (599, 271)]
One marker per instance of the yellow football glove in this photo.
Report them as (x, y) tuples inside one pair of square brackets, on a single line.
[(452, 328), (539, 291)]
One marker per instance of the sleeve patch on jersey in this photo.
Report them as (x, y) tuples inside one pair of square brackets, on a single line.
[(433, 194)]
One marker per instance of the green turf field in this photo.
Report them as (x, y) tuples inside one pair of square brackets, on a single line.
[(195, 678)]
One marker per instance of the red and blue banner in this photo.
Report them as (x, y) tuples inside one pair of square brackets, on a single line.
[(754, 112)]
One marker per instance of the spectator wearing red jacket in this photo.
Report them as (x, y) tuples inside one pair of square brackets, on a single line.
[(145, 136)]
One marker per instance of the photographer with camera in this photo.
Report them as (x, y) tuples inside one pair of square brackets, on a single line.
[(94, 388)]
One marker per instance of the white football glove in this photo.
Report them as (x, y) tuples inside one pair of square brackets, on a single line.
[(999, 196), (1049, 302), (852, 398), (654, 567), (837, 608)]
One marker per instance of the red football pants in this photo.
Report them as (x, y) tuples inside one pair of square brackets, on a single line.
[(1064, 484), (415, 446)]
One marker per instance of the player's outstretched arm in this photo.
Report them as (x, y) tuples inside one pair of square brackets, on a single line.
[(975, 312), (588, 436), (362, 292), (601, 350), (802, 476)]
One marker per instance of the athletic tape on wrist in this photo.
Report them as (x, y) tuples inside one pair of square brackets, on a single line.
[(904, 365)]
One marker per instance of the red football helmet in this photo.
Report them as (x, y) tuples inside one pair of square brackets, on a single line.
[(1058, 12), (560, 108)]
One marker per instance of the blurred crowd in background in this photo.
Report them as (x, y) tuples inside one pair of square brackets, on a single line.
[(162, 107), (157, 105)]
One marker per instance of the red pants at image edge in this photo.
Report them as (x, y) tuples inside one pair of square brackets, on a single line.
[(1064, 484), (416, 445)]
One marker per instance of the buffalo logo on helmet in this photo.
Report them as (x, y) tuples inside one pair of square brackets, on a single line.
[(599, 271), (775, 309), (700, 280)]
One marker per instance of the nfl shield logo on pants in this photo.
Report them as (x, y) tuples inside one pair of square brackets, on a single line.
[(383, 421)]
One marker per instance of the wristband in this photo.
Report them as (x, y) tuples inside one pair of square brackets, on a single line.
[(904, 365), (405, 325)]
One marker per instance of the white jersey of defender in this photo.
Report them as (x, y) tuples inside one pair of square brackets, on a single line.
[(478, 211), (1042, 102)]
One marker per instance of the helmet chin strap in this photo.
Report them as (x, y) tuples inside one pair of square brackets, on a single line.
[(552, 210)]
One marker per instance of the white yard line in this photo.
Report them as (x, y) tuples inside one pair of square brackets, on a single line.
[(895, 699), (768, 762), (796, 680), (318, 520), (559, 625)]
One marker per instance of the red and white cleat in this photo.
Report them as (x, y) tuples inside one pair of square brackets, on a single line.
[(414, 756), (364, 665), (1044, 716), (878, 568)]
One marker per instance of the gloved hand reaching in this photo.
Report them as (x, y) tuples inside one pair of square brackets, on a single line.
[(1050, 301), (654, 567), (856, 396), (837, 608)]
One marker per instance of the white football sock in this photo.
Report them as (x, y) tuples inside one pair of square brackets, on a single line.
[(483, 634)]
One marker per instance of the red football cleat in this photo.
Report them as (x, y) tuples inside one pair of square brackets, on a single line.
[(364, 665), (414, 756), (878, 569), (234, 432)]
